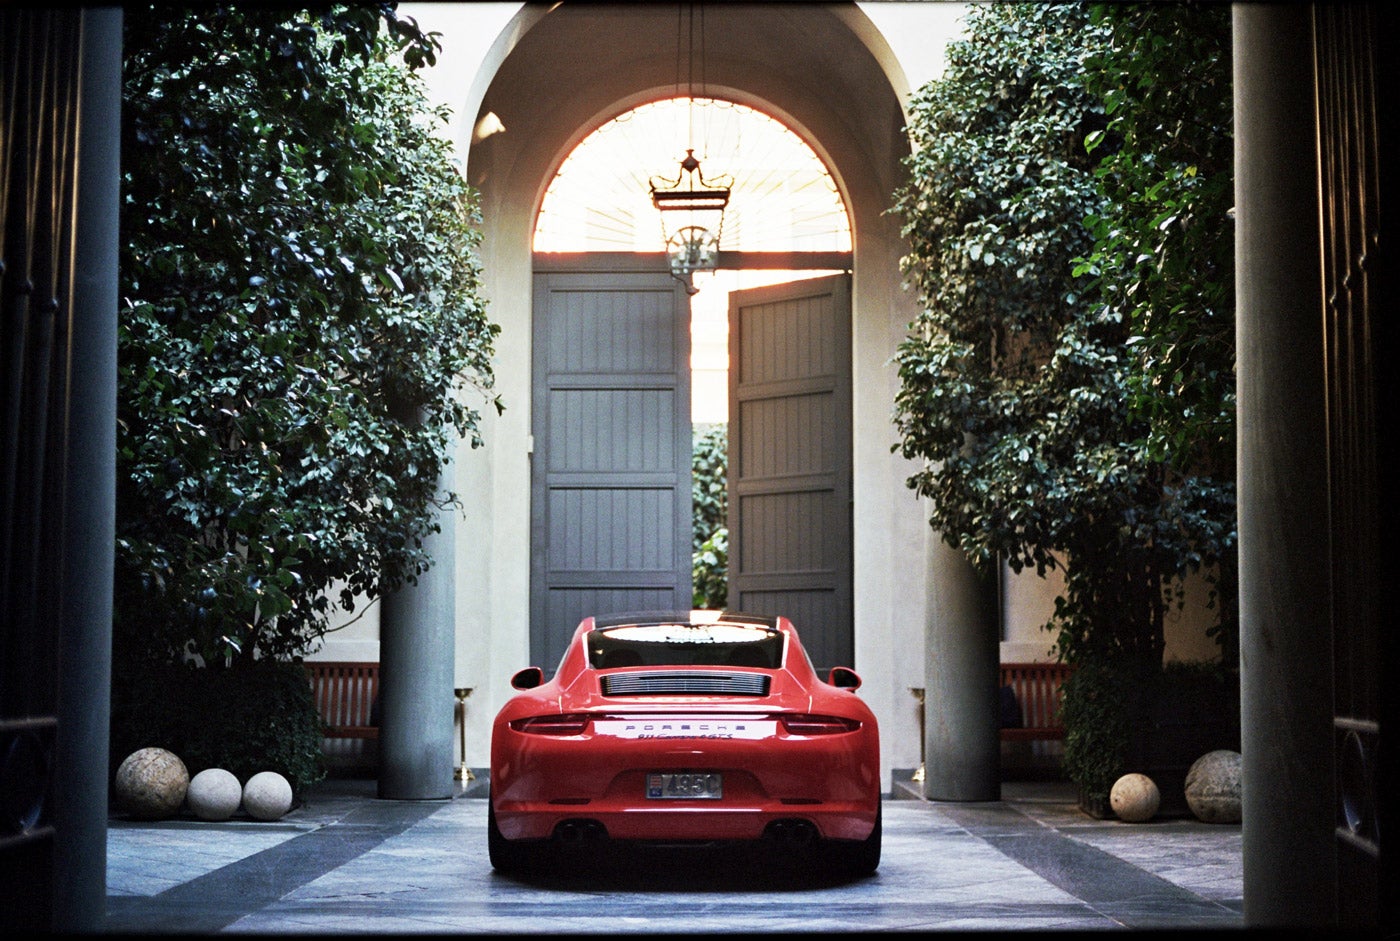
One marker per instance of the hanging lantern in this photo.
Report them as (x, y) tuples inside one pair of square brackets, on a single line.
[(697, 208), (691, 208)]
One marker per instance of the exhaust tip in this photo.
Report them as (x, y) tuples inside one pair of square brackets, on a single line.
[(795, 833), (575, 832)]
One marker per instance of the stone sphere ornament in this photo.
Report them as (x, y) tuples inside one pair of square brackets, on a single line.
[(1135, 798), (267, 796), (151, 783), (1213, 787), (214, 794)]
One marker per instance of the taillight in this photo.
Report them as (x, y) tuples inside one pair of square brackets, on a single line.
[(804, 724), (566, 724)]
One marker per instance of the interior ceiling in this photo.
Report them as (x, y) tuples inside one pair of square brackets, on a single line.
[(615, 56), (584, 42)]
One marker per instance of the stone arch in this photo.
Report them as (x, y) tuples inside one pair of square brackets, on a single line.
[(804, 66)]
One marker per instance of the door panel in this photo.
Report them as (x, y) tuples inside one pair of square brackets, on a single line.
[(1359, 387), (610, 488), (790, 460)]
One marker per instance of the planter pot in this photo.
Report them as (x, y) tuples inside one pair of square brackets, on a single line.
[(1190, 717)]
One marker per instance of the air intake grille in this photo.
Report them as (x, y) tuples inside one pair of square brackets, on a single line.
[(680, 682)]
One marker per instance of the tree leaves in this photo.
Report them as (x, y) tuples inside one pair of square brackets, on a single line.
[(1067, 387), (284, 422)]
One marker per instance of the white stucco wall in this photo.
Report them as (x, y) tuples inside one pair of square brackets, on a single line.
[(917, 32)]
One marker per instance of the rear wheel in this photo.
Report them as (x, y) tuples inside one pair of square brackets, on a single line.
[(858, 857), (509, 856)]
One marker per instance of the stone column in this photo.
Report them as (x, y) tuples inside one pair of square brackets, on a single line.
[(1285, 634), (89, 518), (416, 650), (962, 744)]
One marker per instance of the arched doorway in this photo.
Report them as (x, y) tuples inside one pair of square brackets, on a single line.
[(554, 74), (612, 401)]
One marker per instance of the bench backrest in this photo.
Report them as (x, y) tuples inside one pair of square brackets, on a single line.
[(345, 696), (1037, 689)]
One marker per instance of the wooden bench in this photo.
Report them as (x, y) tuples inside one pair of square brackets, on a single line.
[(345, 696), (1036, 687)]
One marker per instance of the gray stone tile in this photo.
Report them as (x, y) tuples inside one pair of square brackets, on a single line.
[(359, 865), (149, 859)]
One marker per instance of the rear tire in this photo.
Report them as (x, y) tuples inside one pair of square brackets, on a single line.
[(858, 857), (509, 857)]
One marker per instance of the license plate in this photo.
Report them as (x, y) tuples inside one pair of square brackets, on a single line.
[(705, 785)]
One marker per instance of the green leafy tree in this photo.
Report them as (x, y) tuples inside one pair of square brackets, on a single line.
[(1011, 381), (1068, 386), (1163, 259), (709, 484), (301, 334)]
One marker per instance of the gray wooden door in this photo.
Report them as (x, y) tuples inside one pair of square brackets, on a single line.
[(610, 473), (790, 460)]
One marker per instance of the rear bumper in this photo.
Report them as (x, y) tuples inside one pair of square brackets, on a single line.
[(711, 821), (831, 781)]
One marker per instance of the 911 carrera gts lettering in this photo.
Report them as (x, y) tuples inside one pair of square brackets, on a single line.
[(623, 728)]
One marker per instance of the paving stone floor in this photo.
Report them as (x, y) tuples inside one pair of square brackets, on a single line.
[(346, 862)]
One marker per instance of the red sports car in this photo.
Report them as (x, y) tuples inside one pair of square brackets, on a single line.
[(690, 728)]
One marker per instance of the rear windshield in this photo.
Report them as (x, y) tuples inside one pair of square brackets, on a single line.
[(681, 645)]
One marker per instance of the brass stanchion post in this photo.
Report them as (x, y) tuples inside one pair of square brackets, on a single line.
[(463, 773), (918, 692)]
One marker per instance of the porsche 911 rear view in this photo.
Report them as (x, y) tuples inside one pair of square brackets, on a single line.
[(693, 728)]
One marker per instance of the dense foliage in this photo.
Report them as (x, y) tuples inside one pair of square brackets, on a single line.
[(1068, 388), (301, 333), (709, 483), (1011, 380), (1163, 259), (260, 717)]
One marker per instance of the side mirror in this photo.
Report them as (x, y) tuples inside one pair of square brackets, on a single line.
[(844, 677), (528, 678)]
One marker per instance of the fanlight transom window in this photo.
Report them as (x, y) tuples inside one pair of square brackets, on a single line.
[(783, 199)]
